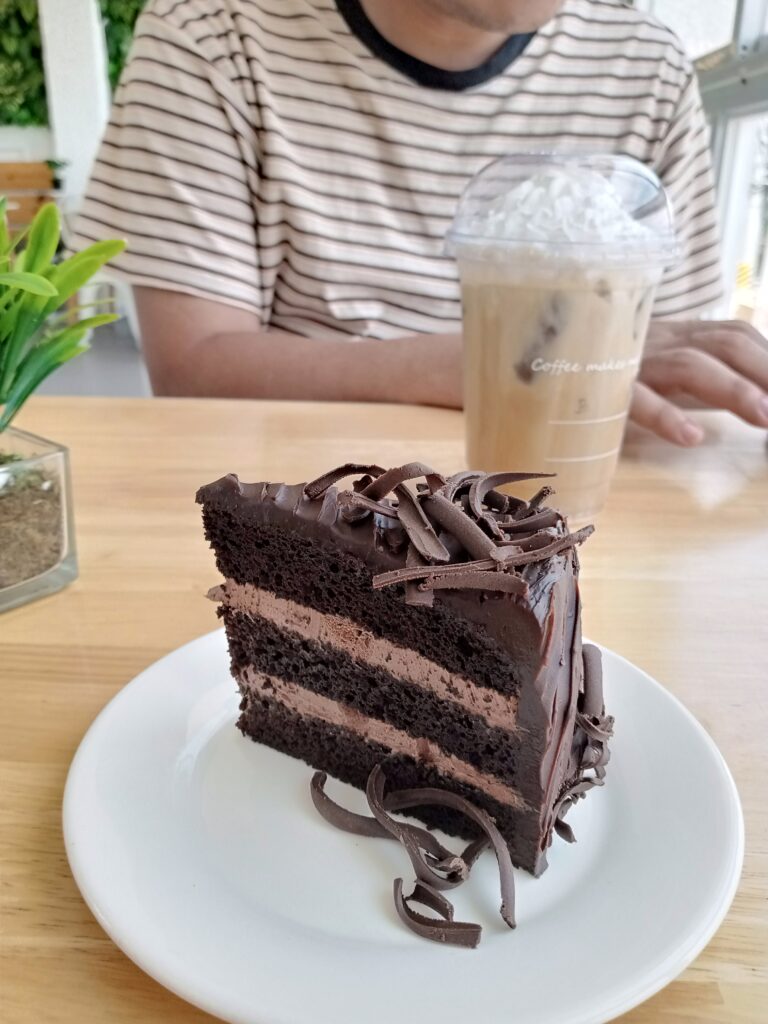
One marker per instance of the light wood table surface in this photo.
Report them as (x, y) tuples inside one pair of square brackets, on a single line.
[(676, 579)]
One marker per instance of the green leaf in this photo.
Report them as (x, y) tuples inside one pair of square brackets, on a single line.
[(27, 323), (25, 282), (38, 365), (90, 322), (72, 274), (43, 239), (5, 238)]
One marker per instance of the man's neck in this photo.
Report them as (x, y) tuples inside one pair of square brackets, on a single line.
[(425, 31)]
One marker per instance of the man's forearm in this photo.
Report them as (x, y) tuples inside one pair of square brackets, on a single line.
[(422, 369)]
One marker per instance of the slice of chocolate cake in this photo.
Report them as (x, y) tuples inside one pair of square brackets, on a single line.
[(425, 624)]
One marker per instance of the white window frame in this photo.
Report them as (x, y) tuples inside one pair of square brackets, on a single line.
[(734, 86)]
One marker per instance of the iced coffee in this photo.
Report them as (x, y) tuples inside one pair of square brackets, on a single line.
[(558, 274)]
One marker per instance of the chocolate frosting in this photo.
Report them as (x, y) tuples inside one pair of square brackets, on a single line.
[(468, 508), (592, 731)]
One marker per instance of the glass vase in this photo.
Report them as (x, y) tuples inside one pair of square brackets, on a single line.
[(37, 542)]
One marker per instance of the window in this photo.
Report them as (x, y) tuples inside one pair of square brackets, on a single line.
[(750, 295), (709, 29), (728, 39)]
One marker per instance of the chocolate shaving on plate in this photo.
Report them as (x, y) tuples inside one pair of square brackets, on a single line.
[(429, 796), (362, 825), (448, 931), (408, 835)]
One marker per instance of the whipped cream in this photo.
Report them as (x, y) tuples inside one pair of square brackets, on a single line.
[(578, 206)]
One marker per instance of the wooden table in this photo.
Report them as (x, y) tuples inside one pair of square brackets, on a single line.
[(676, 579)]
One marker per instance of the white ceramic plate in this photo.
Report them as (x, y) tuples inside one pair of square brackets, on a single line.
[(202, 857)]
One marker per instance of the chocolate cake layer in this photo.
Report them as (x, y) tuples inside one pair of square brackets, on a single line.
[(376, 693), (350, 758)]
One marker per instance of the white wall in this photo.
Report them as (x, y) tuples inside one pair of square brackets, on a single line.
[(74, 53), (25, 145)]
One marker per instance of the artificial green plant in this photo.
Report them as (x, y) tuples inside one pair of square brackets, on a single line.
[(37, 332)]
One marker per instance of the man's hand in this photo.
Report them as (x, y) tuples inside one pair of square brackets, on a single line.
[(722, 365)]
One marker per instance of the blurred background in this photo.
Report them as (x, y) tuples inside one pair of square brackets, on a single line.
[(61, 59)]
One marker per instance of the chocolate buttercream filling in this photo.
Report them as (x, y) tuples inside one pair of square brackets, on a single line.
[(312, 705), (355, 641)]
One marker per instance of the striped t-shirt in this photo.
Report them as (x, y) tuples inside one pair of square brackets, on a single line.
[(282, 156)]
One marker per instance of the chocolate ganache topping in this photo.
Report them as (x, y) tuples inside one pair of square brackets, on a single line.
[(461, 533)]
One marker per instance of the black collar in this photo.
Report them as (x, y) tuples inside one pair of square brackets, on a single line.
[(425, 74)]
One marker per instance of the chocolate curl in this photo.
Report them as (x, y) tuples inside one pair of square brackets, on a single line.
[(316, 488), (420, 531), (448, 931), (362, 825), (413, 594), (564, 830), (438, 855), (539, 498), (392, 478), (457, 484), (468, 533), (401, 800), (484, 486), (410, 837), (571, 794), (538, 521), (570, 540), (592, 703), (416, 572), (444, 798), (350, 499), (499, 582), (340, 817), (599, 728)]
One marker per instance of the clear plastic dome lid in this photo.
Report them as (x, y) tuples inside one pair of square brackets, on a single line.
[(569, 207)]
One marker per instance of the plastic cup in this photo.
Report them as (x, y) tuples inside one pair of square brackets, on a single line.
[(559, 257)]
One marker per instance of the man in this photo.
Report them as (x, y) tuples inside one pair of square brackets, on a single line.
[(285, 171)]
